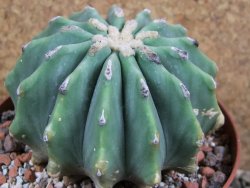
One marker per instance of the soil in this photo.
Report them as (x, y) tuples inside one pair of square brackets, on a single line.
[(214, 164)]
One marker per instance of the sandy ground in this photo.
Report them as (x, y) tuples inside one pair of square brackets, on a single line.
[(221, 27)]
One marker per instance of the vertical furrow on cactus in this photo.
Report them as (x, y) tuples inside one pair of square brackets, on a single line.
[(165, 29), (181, 129), (76, 95), (36, 96), (104, 135), (200, 85), (61, 23), (87, 13), (191, 47), (145, 147), (29, 62), (142, 18), (116, 17)]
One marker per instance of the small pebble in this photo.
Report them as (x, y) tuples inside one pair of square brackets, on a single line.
[(5, 185), (7, 115), (13, 155), (206, 148), (55, 180), (218, 177), (29, 175), (20, 171), (219, 150), (66, 180), (25, 157), (188, 184), (31, 163), (38, 176), (162, 184), (26, 165), (27, 149), (212, 144), (5, 170), (5, 159), (2, 179), (26, 185), (9, 144), (170, 179), (200, 156), (19, 180), (207, 171), (17, 162), (210, 159), (38, 168), (13, 171), (5, 124), (204, 182), (50, 185), (58, 185), (2, 135), (43, 182)]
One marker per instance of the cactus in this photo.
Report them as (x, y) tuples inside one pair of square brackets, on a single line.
[(113, 99)]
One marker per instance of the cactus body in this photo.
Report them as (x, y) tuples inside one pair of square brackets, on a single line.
[(113, 99)]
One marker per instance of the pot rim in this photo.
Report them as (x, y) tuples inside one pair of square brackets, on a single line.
[(232, 130)]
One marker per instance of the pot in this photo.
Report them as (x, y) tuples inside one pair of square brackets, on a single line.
[(230, 128)]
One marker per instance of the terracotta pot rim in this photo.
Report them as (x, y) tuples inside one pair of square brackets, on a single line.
[(5, 105), (236, 143)]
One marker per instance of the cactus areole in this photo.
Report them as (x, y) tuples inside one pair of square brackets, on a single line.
[(113, 99)]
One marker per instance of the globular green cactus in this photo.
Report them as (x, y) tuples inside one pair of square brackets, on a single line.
[(113, 100)]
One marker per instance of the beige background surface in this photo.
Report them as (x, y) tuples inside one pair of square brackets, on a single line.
[(221, 26)]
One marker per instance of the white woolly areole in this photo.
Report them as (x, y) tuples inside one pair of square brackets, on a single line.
[(124, 41), (50, 53), (147, 11), (162, 20), (88, 7), (146, 34), (99, 25), (54, 18), (210, 113), (18, 91), (108, 71), (102, 120), (70, 28), (118, 12), (129, 27)]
